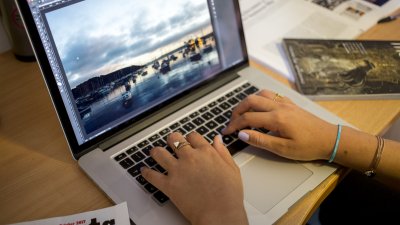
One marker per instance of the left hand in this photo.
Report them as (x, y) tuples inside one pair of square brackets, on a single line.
[(204, 182)]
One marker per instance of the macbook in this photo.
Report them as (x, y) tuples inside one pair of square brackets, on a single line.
[(123, 74)]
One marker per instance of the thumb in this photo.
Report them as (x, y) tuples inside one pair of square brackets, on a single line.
[(261, 140)]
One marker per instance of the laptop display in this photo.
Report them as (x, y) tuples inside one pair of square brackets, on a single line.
[(113, 61)]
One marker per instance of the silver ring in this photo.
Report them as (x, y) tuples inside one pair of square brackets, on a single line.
[(178, 145)]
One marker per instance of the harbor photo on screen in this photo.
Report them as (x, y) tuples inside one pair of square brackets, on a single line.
[(120, 62)]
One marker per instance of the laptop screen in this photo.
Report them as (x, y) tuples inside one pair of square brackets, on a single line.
[(116, 60)]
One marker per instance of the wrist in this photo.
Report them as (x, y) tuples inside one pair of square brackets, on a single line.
[(336, 145), (237, 216)]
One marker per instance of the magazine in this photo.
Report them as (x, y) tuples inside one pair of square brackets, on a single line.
[(267, 22), (345, 69)]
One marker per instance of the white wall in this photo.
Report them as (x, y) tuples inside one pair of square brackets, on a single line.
[(4, 42)]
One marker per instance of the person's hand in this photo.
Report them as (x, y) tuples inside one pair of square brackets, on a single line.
[(203, 182), (297, 133)]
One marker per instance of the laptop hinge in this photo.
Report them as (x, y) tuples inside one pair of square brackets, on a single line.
[(169, 109)]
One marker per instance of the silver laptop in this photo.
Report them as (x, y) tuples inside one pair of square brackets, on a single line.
[(123, 74)]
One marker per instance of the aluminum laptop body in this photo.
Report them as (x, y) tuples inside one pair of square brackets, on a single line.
[(119, 72)]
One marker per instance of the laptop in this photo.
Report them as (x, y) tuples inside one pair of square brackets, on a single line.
[(123, 74)]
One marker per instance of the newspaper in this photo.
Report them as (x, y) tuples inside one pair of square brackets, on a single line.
[(267, 22), (115, 215)]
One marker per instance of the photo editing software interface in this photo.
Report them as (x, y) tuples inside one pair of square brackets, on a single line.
[(114, 60)]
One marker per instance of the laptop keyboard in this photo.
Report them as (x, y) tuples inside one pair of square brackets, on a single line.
[(208, 121)]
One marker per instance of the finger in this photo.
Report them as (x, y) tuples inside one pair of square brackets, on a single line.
[(251, 119), (156, 178), (174, 140), (253, 103), (196, 140), (274, 95), (163, 157), (221, 149), (276, 145)]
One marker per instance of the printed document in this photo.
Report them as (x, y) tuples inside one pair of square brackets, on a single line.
[(115, 215), (266, 22)]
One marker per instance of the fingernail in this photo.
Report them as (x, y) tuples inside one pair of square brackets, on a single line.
[(220, 138), (223, 130), (243, 136)]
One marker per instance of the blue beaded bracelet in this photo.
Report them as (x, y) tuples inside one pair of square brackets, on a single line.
[(339, 132)]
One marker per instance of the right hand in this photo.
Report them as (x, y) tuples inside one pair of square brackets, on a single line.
[(299, 135)]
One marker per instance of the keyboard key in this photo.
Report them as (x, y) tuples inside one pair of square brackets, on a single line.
[(132, 150), (219, 129), (143, 143), (154, 137), (211, 125), (150, 188), (227, 139), (126, 163), (236, 146), (239, 89), (174, 126), (141, 180), (150, 161), (207, 116), (180, 130), (198, 121), (165, 132), (251, 90), (241, 96), (228, 114), (134, 171), (246, 85), (233, 101), (216, 111), (224, 106), (222, 99), (138, 156), (189, 127), (205, 108), (221, 119), (230, 94), (159, 143), (194, 115), (211, 135), (184, 120), (146, 150), (202, 130), (160, 197), (212, 104), (120, 156)]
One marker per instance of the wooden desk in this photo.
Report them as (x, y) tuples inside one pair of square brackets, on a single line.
[(39, 178)]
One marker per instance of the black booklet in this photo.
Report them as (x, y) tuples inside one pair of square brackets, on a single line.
[(345, 69)]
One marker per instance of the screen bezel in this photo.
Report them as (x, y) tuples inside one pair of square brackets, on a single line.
[(76, 149)]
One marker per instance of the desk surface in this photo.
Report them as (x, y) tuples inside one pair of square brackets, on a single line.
[(39, 178)]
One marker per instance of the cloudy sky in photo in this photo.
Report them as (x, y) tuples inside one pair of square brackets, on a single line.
[(96, 37)]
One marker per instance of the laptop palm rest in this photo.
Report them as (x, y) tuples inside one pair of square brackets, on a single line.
[(268, 179)]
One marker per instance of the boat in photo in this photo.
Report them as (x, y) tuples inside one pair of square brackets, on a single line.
[(165, 68), (127, 99)]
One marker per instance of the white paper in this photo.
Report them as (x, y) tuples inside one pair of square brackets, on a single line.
[(267, 22), (115, 215)]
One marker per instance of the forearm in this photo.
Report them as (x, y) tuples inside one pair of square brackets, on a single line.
[(358, 149)]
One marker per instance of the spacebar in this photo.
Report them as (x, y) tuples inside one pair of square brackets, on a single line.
[(237, 146)]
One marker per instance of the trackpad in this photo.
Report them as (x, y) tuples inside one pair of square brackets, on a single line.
[(268, 179)]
